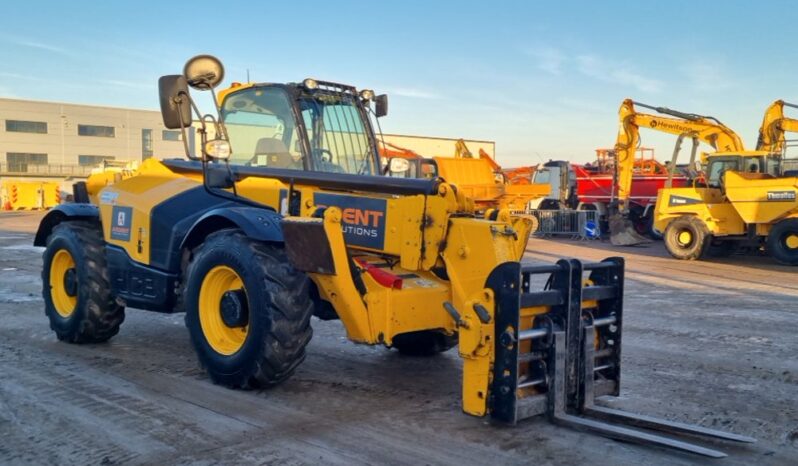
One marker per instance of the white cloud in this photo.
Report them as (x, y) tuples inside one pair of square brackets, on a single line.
[(618, 73), (703, 77), (550, 59), (128, 84), (40, 46), (413, 93)]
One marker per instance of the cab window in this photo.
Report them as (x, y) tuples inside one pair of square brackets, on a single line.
[(260, 124), (718, 167)]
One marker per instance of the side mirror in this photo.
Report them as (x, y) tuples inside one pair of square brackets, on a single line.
[(175, 101), (398, 165), (381, 102), (203, 72)]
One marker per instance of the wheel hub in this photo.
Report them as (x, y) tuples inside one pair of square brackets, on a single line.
[(684, 238), (233, 308), (791, 241), (71, 282)]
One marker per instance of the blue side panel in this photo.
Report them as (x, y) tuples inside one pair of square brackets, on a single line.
[(363, 219)]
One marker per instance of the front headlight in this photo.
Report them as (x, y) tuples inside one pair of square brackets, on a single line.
[(218, 149)]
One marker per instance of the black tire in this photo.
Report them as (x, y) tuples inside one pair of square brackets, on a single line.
[(699, 238), (96, 316), (649, 229), (424, 343), (549, 204), (279, 309), (535, 224), (781, 241)]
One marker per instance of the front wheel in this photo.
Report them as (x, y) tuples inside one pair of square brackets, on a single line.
[(75, 285), (687, 238), (782, 242), (247, 310)]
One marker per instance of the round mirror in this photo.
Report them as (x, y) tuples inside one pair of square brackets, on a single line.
[(203, 72)]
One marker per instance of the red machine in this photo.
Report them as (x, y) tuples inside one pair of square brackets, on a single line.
[(595, 182), (592, 186)]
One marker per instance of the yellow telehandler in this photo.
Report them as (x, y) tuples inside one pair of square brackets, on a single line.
[(284, 215)]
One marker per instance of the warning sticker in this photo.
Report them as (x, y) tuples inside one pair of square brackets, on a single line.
[(121, 220)]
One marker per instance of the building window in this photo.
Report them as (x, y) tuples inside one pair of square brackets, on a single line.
[(19, 161), (93, 160), (172, 135), (146, 143), (98, 131), (20, 126)]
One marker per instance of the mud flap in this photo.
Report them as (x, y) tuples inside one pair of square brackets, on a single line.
[(571, 355), (307, 245)]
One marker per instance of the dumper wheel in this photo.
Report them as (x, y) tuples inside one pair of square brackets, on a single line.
[(247, 310), (782, 243), (424, 343), (75, 285), (687, 238)]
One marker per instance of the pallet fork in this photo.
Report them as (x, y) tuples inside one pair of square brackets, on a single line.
[(573, 355)]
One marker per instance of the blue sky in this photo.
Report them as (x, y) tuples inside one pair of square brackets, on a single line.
[(542, 79)]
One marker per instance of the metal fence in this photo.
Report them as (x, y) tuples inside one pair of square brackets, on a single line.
[(576, 224), (28, 169)]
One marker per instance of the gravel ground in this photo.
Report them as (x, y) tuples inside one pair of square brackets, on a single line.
[(709, 343)]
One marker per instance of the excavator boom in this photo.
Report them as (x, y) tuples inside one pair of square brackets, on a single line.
[(774, 125), (703, 128)]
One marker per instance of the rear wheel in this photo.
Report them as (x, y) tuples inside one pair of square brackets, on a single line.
[(75, 285), (687, 238), (247, 310), (424, 343), (782, 242)]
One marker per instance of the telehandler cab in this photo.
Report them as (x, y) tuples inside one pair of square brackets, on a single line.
[(284, 215)]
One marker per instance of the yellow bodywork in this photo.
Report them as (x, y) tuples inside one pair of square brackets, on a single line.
[(423, 233), (476, 178), (744, 200)]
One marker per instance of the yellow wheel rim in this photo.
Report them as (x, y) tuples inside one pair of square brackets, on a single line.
[(792, 242), (685, 237), (59, 267), (222, 338)]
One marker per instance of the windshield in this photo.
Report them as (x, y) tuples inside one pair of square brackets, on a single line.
[(261, 127), (263, 132), (339, 138)]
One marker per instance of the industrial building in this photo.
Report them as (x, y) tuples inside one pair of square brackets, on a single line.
[(51, 140)]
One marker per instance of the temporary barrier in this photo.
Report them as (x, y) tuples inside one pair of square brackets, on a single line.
[(29, 195), (577, 224)]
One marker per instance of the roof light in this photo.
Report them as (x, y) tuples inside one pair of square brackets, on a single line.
[(367, 94), (310, 84)]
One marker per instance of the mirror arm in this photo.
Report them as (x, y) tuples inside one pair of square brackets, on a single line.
[(183, 126)]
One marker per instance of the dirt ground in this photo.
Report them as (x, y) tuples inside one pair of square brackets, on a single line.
[(710, 343)]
